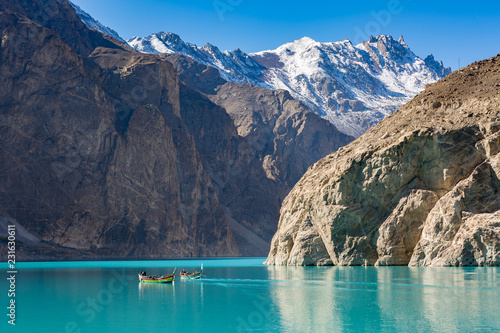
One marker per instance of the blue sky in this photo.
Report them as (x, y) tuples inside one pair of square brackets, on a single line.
[(448, 29)]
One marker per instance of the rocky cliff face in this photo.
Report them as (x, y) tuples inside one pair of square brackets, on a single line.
[(95, 152), (421, 188)]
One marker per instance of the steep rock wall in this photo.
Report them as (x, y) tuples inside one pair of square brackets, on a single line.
[(421, 188)]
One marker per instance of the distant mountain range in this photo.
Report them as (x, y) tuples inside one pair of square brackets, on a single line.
[(353, 86)]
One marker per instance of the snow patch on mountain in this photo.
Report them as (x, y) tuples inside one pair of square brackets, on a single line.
[(94, 24), (234, 66)]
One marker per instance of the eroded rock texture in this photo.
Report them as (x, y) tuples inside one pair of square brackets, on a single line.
[(95, 153), (421, 188)]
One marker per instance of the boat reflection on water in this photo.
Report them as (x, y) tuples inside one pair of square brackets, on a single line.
[(148, 291)]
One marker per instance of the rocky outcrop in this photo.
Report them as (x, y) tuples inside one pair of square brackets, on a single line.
[(285, 135), (421, 188), (247, 195)]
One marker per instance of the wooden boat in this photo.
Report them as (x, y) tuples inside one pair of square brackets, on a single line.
[(162, 279), (192, 276)]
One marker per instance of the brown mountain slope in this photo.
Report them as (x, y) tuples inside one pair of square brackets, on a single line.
[(94, 152), (285, 136), (420, 188), (60, 17)]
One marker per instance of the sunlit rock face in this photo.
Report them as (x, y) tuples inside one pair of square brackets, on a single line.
[(421, 188)]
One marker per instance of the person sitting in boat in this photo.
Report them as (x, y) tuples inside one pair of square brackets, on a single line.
[(143, 272)]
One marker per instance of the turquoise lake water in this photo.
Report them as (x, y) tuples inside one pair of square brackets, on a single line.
[(243, 295)]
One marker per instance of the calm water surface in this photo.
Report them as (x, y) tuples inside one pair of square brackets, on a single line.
[(242, 295)]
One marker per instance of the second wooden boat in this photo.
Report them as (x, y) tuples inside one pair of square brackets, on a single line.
[(192, 276)]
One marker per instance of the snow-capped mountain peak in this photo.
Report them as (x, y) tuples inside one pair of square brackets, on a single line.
[(211, 49), (402, 41), (304, 41), (354, 86), (437, 66)]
